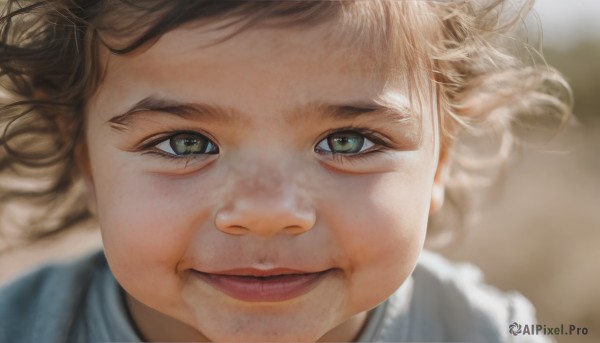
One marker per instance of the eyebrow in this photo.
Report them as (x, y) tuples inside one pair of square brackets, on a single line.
[(375, 110), (151, 104), (223, 115)]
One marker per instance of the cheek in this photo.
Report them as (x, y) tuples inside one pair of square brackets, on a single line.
[(382, 231), (148, 221)]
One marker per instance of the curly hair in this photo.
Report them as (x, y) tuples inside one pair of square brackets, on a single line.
[(487, 81)]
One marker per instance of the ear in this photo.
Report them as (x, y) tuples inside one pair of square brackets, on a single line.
[(83, 162), (439, 182)]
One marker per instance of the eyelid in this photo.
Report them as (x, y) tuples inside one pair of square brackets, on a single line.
[(154, 139), (374, 136), (381, 144), (148, 146)]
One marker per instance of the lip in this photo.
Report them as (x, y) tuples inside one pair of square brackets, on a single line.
[(255, 285)]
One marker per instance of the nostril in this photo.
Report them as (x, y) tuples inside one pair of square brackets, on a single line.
[(265, 216), (236, 230), (294, 229)]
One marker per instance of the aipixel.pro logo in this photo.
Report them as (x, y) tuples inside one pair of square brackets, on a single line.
[(516, 329)]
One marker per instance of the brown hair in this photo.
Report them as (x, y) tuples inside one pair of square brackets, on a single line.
[(49, 66)]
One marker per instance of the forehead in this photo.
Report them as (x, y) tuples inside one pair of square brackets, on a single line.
[(352, 45), (282, 67), (390, 32)]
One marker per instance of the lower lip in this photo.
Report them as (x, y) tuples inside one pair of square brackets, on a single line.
[(260, 289)]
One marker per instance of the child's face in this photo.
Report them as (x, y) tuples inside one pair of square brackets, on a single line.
[(258, 188)]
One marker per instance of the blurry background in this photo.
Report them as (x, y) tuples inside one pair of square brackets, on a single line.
[(542, 236)]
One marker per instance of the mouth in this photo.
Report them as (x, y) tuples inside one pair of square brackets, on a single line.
[(263, 286)]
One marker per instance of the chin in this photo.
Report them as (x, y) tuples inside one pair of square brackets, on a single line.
[(259, 328), (266, 335)]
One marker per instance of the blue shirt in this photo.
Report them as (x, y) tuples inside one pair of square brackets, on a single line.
[(441, 302)]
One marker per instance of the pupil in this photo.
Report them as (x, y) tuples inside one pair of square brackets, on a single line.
[(346, 143), (185, 144)]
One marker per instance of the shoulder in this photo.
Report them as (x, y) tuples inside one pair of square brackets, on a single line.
[(451, 302), (41, 306)]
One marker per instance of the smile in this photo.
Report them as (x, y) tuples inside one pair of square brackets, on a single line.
[(263, 286)]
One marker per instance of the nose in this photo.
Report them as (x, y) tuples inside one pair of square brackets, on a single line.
[(266, 212)]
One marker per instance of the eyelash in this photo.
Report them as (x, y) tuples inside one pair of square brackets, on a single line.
[(380, 144), (149, 147)]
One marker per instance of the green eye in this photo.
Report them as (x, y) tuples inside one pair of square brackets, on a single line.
[(188, 143), (347, 142)]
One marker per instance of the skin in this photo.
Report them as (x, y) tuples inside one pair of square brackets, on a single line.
[(268, 198)]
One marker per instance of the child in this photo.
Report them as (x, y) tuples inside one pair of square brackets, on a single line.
[(261, 171)]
